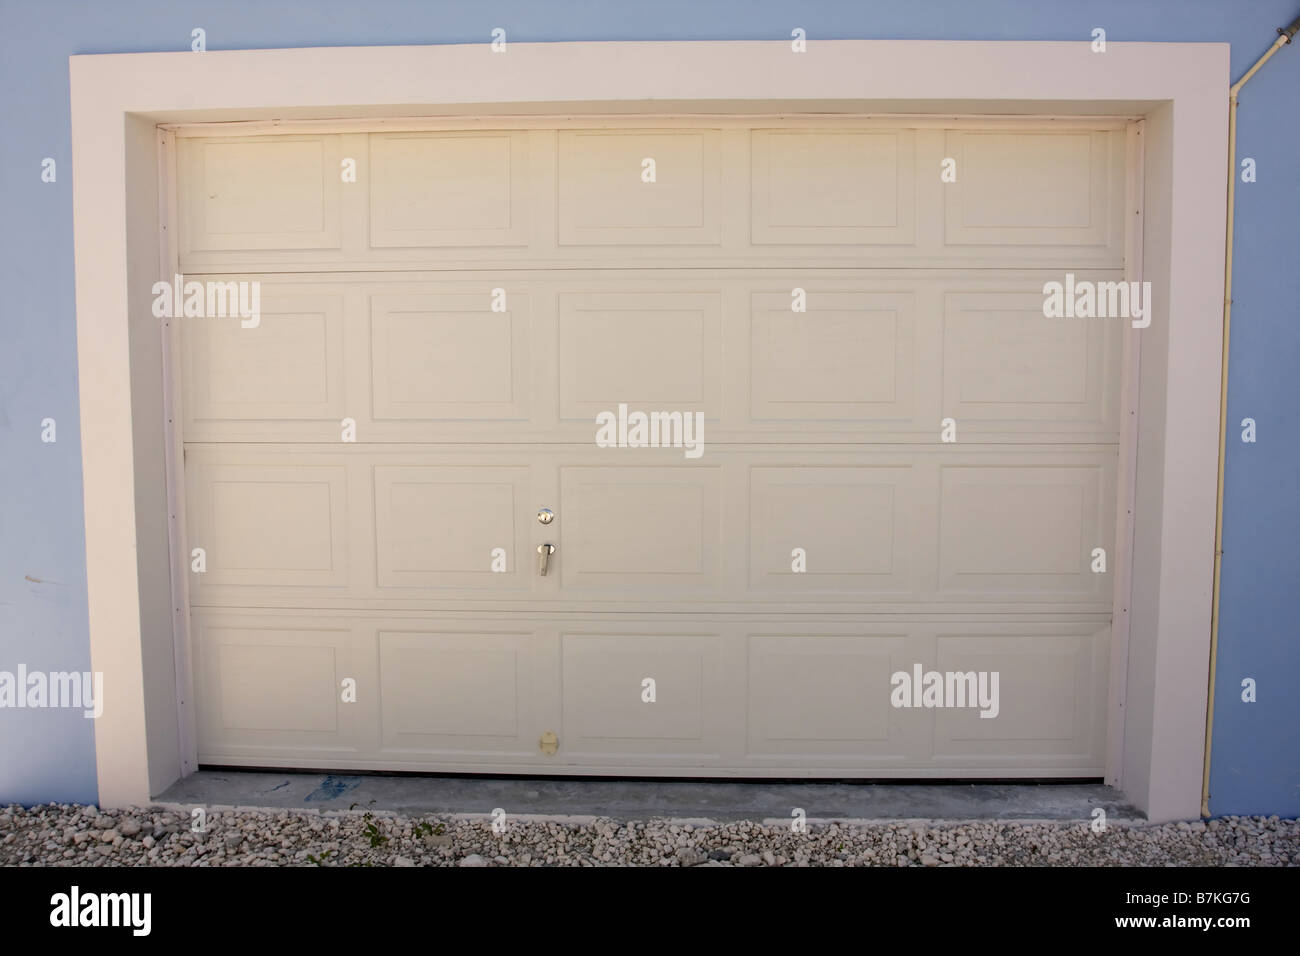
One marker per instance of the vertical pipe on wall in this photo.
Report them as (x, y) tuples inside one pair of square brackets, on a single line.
[(1284, 37)]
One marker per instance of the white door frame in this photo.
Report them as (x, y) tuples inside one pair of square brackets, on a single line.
[(118, 101)]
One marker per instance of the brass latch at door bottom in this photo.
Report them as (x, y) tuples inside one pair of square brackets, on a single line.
[(549, 743)]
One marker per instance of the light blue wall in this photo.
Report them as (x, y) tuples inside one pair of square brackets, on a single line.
[(49, 755)]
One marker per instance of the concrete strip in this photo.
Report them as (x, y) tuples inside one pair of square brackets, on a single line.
[(580, 801)]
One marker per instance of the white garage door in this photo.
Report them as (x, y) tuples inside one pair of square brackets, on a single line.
[(365, 466)]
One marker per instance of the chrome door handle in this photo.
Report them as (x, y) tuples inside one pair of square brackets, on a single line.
[(544, 552)]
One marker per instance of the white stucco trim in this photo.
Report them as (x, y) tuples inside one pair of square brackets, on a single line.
[(1180, 89)]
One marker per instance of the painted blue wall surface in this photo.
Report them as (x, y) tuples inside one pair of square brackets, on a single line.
[(48, 755)]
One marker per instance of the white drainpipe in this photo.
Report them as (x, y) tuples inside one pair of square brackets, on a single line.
[(1284, 37)]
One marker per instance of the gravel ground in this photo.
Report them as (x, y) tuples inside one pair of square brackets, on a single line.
[(85, 836)]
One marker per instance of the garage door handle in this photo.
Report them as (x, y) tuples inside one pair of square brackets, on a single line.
[(544, 552)]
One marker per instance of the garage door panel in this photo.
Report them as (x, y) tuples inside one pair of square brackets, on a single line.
[(813, 527), (1024, 529), (606, 198), (870, 360), (288, 367), (451, 694), (456, 188), (1005, 364), (654, 351), (266, 687), (638, 693), (452, 527), (752, 196), (848, 356), (827, 187), (1033, 188), (264, 525), (260, 193), (450, 357), (838, 529), (640, 530), (1051, 686), (817, 695), (478, 693)]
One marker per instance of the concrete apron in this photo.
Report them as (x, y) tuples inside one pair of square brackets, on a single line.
[(584, 800)]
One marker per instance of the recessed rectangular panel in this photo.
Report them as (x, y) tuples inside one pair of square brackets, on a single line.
[(450, 527), (653, 351), (1008, 530), (609, 705), (271, 685), (260, 192), (455, 691), (1050, 691), (640, 529), (269, 525), (1029, 188), (639, 187), (254, 679), (449, 357), (825, 187), (454, 188), (289, 366), (1004, 361), (811, 694), (830, 529), (847, 357)]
